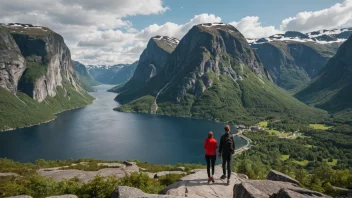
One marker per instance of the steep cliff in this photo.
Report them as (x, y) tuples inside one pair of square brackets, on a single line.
[(213, 73), (293, 64), (12, 63), (85, 78), (151, 63), (331, 89), (36, 67)]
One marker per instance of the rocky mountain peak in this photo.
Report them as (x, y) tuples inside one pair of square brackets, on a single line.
[(220, 47)]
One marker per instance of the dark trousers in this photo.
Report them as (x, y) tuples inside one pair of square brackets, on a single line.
[(226, 160), (212, 159)]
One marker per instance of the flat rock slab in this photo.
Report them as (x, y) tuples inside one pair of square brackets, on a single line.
[(196, 185), (270, 189), (129, 192), (163, 173), (64, 196), (9, 174), (83, 176)]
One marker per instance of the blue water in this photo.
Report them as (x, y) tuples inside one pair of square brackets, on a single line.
[(96, 131)]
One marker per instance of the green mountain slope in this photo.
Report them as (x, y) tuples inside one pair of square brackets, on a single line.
[(331, 90), (213, 73), (293, 64), (85, 78)]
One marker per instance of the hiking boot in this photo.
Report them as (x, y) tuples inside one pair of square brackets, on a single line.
[(223, 177), (228, 182), (212, 179)]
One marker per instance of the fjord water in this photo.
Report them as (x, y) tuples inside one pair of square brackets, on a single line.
[(96, 131)]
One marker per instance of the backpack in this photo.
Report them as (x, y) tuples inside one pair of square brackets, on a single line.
[(228, 144)]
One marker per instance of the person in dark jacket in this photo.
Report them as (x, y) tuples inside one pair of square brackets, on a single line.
[(226, 150), (210, 146)]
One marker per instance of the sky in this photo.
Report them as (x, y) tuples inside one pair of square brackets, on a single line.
[(109, 32)]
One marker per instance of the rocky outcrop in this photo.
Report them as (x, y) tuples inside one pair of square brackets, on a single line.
[(195, 185), (61, 173), (12, 63), (129, 192), (277, 176), (269, 189)]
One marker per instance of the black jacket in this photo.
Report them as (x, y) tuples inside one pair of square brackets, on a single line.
[(222, 143)]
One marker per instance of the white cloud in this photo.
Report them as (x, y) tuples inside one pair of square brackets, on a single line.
[(338, 15), (94, 30), (175, 30), (250, 27)]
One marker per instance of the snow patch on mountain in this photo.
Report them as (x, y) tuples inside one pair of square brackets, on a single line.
[(321, 37)]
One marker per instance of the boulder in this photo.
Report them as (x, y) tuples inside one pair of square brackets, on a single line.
[(297, 193), (271, 189), (277, 176), (128, 163)]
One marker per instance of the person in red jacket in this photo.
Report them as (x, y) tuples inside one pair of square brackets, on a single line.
[(210, 146)]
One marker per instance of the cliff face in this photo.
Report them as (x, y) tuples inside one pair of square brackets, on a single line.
[(48, 62), (37, 77), (151, 63), (293, 64), (12, 63)]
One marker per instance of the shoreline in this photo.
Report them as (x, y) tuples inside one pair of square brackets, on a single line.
[(247, 146), (44, 122)]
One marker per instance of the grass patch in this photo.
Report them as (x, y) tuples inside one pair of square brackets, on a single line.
[(263, 124), (320, 126), (154, 168), (284, 157), (331, 162), (278, 133), (301, 163)]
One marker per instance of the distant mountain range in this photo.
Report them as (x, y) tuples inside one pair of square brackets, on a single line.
[(321, 36), (293, 59), (86, 79), (212, 73), (332, 88), (115, 74)]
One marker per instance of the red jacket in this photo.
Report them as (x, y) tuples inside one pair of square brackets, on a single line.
[(210, 146)]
